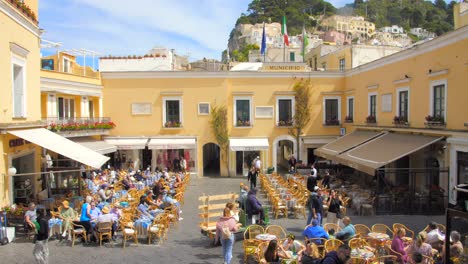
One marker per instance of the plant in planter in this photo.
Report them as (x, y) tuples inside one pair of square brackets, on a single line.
[(243, 123), (332, 122), (348, 119), (434, 120), (400, 120), (172, 124), (371, 119), (285, 123)]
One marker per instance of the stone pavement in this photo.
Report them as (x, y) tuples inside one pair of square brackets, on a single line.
[(185, 244)]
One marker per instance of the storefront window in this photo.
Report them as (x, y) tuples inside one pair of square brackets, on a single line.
[(170, 158), (462, 164)]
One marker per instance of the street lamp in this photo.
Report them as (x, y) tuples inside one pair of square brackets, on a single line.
[(12, 171)]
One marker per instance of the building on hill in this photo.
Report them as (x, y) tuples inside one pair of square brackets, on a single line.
[(354, 26), (422, 33), (336, 37), (342, 58), (391, 39), (394, 29), (157, 59)]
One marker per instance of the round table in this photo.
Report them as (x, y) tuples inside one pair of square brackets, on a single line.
[(378, 236), (364, 253), (265, 237)]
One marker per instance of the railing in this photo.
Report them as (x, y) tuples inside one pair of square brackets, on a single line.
[(75, 69), (58, 124)]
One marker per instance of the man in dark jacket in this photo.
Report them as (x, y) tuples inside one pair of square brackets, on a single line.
[(41, 247), (315, 206), (254, 206), (341, 256)]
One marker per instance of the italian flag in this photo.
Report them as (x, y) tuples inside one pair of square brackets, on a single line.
[(284, 31)]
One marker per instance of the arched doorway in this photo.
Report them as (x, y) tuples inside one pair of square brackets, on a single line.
[(211, 159), (283, 148)]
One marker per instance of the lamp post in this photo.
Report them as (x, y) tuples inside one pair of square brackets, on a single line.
[(12, 171)]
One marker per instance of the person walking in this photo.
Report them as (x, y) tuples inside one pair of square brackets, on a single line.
[(315, 206), (253, 178), (225, 229), (41, 247)]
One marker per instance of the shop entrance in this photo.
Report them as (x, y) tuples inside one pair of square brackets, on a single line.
[(23, 186), (211, 160), (284, 151), (244, 161), (147, 157)]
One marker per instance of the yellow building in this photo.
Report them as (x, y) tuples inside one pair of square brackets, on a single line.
[(460, 14), (354, 26)]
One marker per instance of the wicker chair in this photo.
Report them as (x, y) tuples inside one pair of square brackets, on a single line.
[(332, 245), (250, 243), (357, 260), (261, 248), (300, 207), (159, 228), (333, 226), (276, 230), (390, 251), (104, 229), (128, 231), (320, 242), (362, 230), (382, 259), (383, 229), (397, 226), (78, 231)]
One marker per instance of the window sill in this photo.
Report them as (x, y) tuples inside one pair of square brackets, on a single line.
[(19, 118), (284, 126), (332, 125), (173, 127), (349, 121), (243, 127)]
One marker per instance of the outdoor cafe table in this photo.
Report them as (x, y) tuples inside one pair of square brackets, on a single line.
[(142, 225), (265, 237), (379, 239), (364, 252)]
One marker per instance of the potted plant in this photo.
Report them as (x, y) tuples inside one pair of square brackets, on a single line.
[(400, 121), (285, 123), (172, 124), (348, 119), (434, 121), (243, 123), (371, 119), (332, 122)]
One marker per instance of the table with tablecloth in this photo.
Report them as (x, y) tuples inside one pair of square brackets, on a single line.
[(265, 237), (142, 225), (366, 253), (55, 226)]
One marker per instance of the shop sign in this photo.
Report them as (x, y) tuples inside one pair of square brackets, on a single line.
[(17, 142), (284, 68)]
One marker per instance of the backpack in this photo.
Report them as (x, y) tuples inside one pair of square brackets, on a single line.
[(226, 233)]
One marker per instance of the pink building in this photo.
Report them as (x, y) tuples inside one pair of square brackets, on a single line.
[(335, 37)]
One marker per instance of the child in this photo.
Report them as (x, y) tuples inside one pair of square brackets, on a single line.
[(331, 233)]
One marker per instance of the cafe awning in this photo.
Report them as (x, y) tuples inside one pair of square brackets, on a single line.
[(248, 144), (172, 143), (62, 146), (128, 142), (383, 150), (99, 146), (342, 144)]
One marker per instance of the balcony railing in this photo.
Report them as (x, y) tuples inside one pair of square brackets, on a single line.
[(58, 124), (74, 69)]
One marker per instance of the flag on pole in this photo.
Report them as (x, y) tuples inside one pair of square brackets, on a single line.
[(284, 31), (263, 48), (305, 41)]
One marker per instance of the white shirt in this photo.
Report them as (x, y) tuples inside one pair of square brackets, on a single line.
[(434, 236), (313, 172), (258, 164)]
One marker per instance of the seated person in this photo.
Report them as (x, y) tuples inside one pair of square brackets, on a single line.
[(67, 214), (399, 246), (243, 196), (275, 252), (116, 211), (435, 238), (30, 217), (254, 206), (314, 230), (95, 212), (417, 258), (331, 233), (107, 217), (293, 245), (348, 231), (311, 255), (103, 193), (145, 210)]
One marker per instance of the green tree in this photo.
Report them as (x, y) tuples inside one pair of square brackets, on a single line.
[(219, 127), (301, 110)]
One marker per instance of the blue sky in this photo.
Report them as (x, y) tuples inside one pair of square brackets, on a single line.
[(198, 28)]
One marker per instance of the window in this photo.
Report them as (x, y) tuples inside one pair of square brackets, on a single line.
[(372, 108), (284, 110), (66, 65), (403, 104), (66, 108), (242, 111), (292, 56), (342, 64), (439, 101), (324, 66), (172, 112), (332, 111), (203, 109), (19, 86), (350, 110)]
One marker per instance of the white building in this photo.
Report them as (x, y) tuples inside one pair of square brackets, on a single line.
[(393, 29), (422, 33)]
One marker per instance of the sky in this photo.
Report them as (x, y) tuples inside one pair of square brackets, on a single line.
[(197, 28)]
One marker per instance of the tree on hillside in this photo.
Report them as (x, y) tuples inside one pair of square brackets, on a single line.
[(301, 111)]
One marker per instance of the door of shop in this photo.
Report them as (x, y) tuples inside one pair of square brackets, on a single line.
[(23, 186), (244, 161)]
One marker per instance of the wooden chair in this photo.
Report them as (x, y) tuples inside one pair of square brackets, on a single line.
[(357, 260), (78, 231), (362, 230), (104, 229), (261, 248), (356, 243), (332, 245), (428, 260), (397, 226), (300, 207), (441, 228), (128, 231), (390, 251), (333, 226), (276, 230), (383, 229), (279, 206)]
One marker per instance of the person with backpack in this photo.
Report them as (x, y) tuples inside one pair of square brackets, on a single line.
[(225, 228), (41, 247)]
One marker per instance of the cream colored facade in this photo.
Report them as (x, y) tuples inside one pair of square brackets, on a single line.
[(354, 26), (20, 93), (460, 14)]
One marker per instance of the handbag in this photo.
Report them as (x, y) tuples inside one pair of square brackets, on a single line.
[(226, 232)]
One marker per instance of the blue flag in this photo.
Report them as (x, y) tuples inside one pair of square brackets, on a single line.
[(263, 48)]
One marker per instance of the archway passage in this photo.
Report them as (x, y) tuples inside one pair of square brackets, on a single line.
[(284, 151), (211, 160)]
